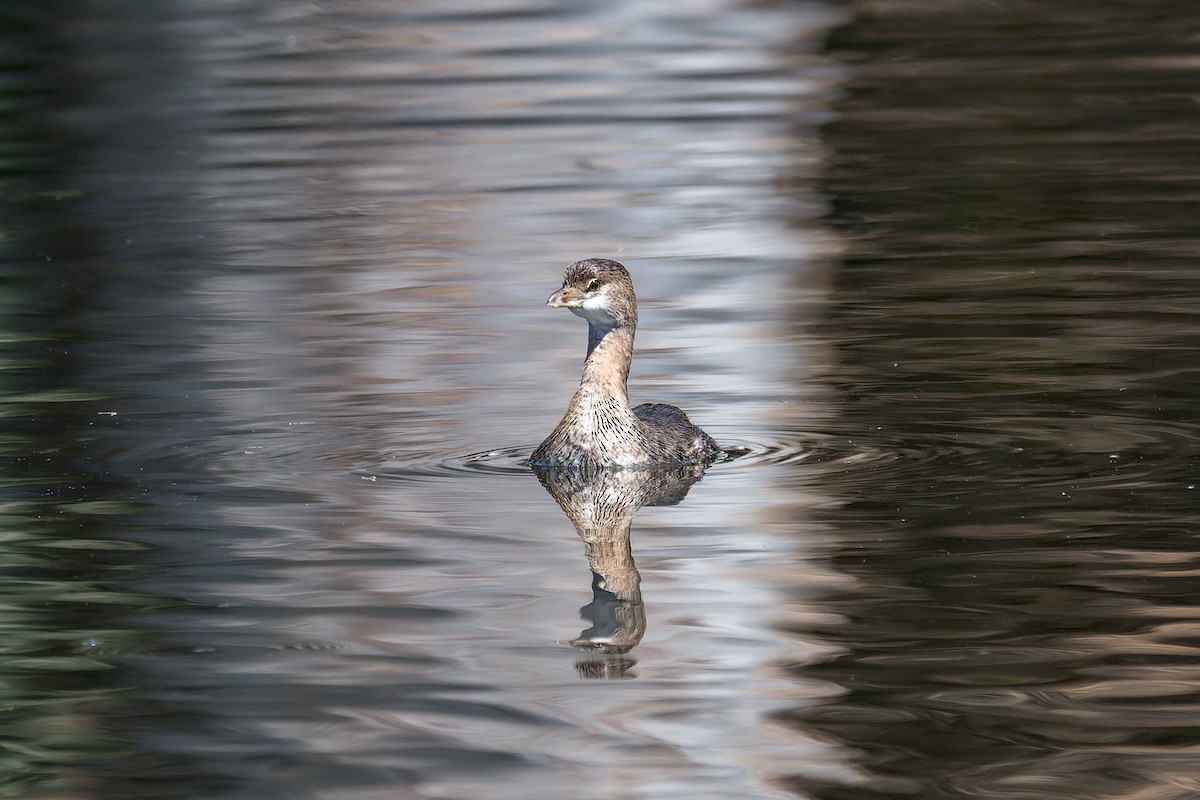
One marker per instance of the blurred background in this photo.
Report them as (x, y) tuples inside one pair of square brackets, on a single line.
[(274, 346)]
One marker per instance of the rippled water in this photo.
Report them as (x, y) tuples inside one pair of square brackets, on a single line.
[(275, 348), (1017, 315)]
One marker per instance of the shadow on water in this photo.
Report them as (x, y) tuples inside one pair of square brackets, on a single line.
[(1017, 312), (65, 558)]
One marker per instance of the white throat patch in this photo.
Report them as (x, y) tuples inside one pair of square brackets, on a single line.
[(592, 310)]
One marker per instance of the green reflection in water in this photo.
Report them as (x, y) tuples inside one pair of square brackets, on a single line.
[(62, 609), (58, 615)]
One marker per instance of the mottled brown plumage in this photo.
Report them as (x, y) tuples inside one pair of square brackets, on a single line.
[(600, 428)]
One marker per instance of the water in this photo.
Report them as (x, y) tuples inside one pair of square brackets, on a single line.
[(275, 346), (1017, 317)]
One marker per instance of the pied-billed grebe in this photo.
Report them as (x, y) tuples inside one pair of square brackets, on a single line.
[(600, 428)]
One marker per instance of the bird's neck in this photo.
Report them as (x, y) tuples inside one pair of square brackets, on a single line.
[(610, 350), (599, 422)]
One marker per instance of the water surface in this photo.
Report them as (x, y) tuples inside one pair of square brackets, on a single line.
[(275, 347)]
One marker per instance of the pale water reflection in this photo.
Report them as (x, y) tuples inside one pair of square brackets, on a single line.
[(280, 270)]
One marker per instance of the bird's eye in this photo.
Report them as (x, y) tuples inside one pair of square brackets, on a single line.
[(593, 285)]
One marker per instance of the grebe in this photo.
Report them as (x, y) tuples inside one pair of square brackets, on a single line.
[(600, 429)]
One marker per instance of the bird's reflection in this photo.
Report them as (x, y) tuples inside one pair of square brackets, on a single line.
[(601, 504)]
